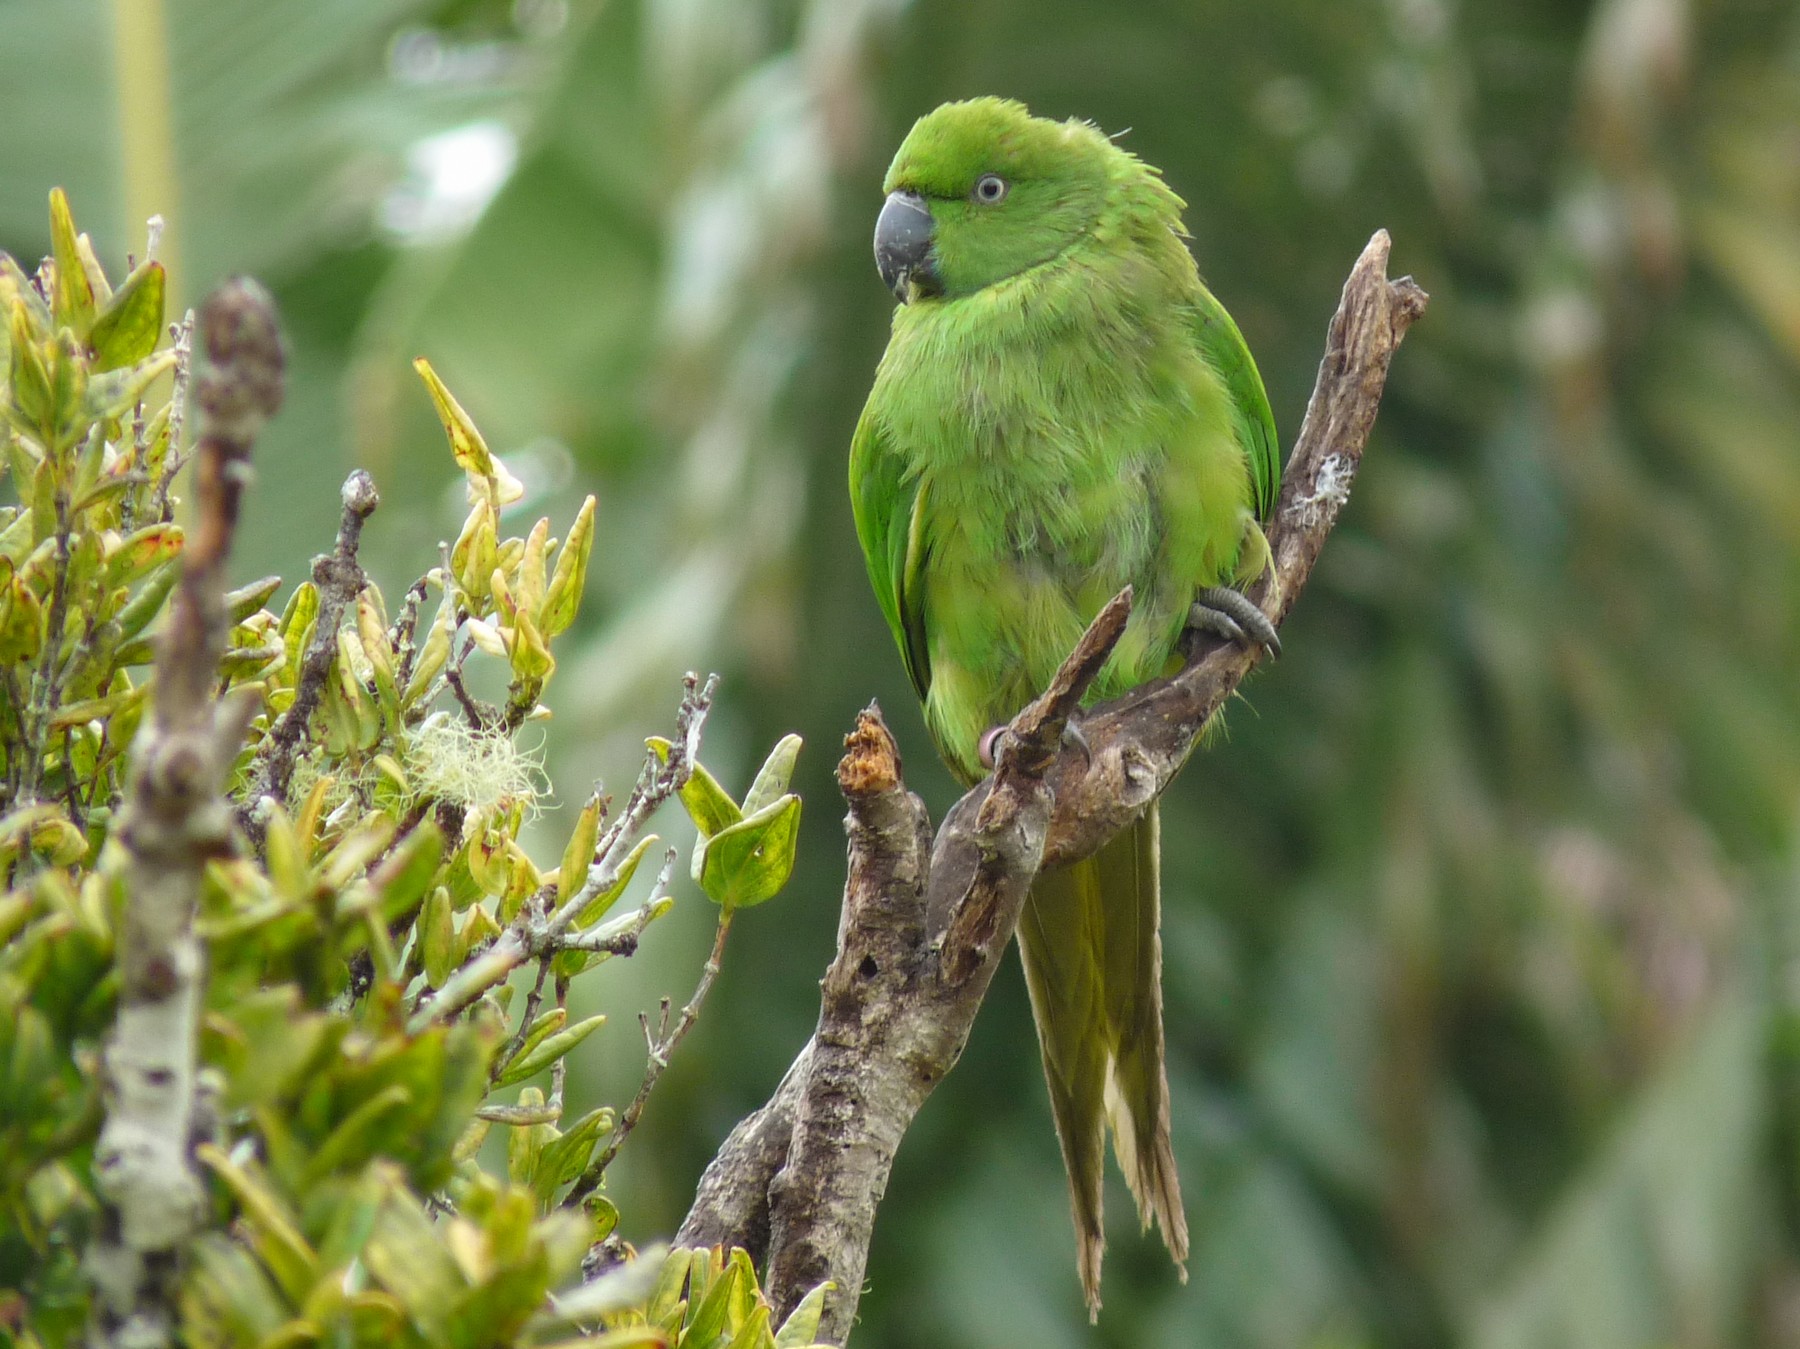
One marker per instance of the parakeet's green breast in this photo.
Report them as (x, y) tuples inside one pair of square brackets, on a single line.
[(1062, 409)]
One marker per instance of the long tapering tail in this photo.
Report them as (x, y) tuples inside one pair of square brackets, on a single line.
[(1093, 963)]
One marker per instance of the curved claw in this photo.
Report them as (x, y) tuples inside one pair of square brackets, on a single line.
[(1231, 615)]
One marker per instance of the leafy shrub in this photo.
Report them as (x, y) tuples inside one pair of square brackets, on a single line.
[(361, 1033)]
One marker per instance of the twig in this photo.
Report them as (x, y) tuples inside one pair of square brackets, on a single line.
[(173, 457), (925, 922), (405, 629), (480, 717), (176, 819), (531, 935), (340, 579), (661, 1050)]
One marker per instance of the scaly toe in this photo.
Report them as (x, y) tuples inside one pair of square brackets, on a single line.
[(1231, 614)]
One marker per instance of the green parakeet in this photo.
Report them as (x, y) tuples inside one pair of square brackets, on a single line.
[(1063, 407)]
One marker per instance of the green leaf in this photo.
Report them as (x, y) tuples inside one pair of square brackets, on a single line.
[(472, 454), (749, 862), (746, 1297), (753, 1332), (142, 552), (148, 602), (297, 621), (773, 777), (405, 1253), (30, 375), (129, 327), (114, 393), (562, 598), (437, 937), (404, 874), (433, 655), (73, 296), (665, 1296), (547, 1053), (706, 1322), (802, 1324), (532, 662), (546, 1025), (21, 618), (563, 1159), (603, 1213), (274, 1233), (597, 907), (528, 586), (708, 804), (358, 1136), (96, 709), (578, 852), (371, 632), (246, 600), (267, 1044), (230, 1291), (523, 1144)]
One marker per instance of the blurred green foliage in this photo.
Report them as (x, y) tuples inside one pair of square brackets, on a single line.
[(1481, 918)]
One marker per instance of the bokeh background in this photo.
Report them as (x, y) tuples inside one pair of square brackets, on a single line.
[(1481, 923)]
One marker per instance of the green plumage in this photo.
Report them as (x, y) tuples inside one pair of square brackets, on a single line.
[(1063, 408)]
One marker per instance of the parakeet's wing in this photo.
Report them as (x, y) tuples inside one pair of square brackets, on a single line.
[(1225, 348), (885, 499)]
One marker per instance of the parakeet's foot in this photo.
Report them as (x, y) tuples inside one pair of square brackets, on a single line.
[(987, 749), (1230, 614)]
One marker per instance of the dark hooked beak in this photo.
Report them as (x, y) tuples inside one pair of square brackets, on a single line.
[(903, 247)]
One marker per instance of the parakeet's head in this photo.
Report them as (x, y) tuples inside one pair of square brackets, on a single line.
[(982, 190)]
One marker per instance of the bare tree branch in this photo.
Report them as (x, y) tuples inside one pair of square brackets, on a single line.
[(176, 820), (340, 579), (924, 926)]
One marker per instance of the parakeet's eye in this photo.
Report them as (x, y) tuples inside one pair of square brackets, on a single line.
[(989, 189)]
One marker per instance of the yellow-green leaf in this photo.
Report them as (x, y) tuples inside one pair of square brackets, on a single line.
[(130, 325), (142, 552), (273, 1231), (802, 1325), (708, 805), (437, 936), (528, 589), (487, 475), (21, 622), (113, 393), (73, 296), (30, 374), (562, 597), (531, 658), (432, 656), (578, 853), (773, 777)]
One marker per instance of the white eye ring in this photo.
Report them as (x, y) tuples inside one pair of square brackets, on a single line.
[(990, 189)]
